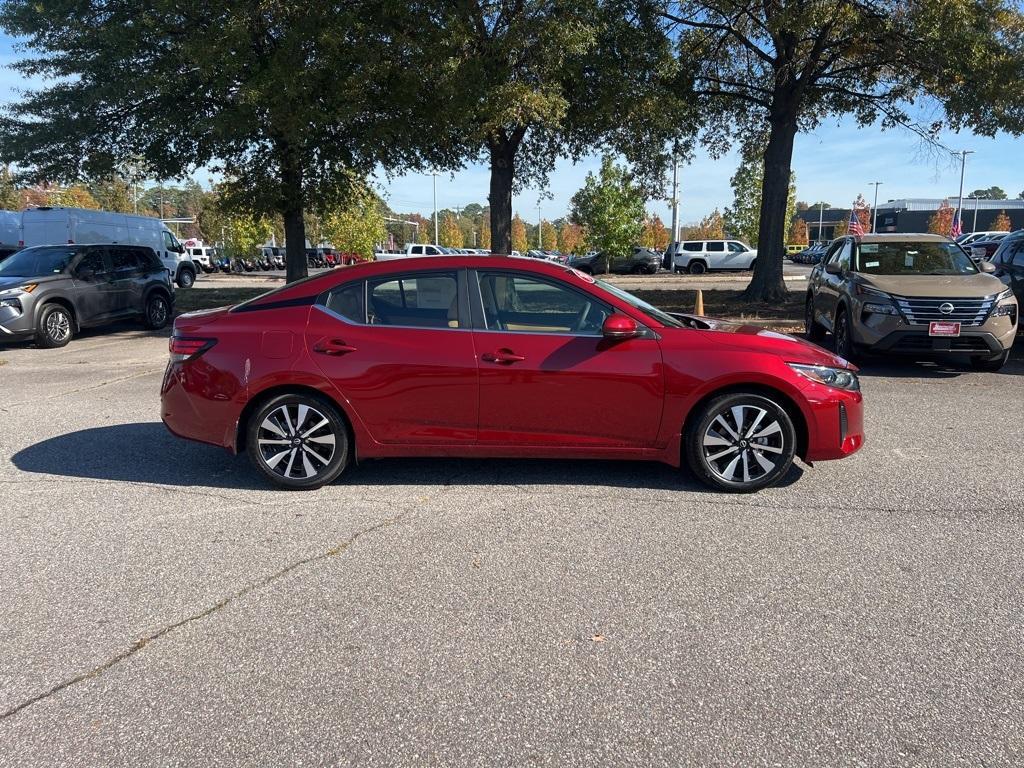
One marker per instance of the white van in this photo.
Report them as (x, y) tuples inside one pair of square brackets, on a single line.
[(60, 225), (10, 233), (698, 256)]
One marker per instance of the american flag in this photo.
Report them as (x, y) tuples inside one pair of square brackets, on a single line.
[(957, 229), (855, 228)]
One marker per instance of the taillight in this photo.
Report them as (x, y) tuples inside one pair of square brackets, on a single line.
[(184, 348)]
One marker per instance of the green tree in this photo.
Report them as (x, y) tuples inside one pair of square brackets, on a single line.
[(992, 193), (743, 219), (450, 232), (610, 207), (533, 80), (357, 226), (244, 234), (113, 194), (773, 68), (10, 199), (75, 196), (287, 101), (520, 242)]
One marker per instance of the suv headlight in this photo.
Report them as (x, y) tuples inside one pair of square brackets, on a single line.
[(876, 301), (1005, 306), (840, 378)]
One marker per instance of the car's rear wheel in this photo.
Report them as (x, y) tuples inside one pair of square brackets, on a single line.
[(56, 326), (814, 331), (991, 364), (158, 311), (842, 340), (740, 442), (753, 263), (697, 268), (298, 441)]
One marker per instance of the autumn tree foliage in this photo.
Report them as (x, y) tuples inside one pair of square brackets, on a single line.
[(450, 232), (798, 233), (711, 227), (548, 236), (863, 211), (655, 234), (1001, 223), (941, 222), (519, 240), (570, 238)]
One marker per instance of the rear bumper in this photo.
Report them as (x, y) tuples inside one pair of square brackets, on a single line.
[(195, 405)]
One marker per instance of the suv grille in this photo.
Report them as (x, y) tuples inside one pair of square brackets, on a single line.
[(967, 312)]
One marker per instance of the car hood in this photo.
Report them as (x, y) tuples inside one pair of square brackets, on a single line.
[(936, 286), (756, 339), (15, 281)]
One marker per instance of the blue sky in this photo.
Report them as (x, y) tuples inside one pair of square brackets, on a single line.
[(833, 163)]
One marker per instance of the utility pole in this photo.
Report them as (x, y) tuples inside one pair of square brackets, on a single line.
[(974, 226), (874, 208), (436, 238), (821, 217), (963, 165), (675, 199), (540, 229)]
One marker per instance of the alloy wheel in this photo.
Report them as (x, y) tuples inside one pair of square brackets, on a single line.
[(158, 313), (743, 444), (296, 441), (58, 326)]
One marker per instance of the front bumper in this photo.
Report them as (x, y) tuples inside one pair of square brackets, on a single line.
[(893, 335), (835, 427), (17, 324)]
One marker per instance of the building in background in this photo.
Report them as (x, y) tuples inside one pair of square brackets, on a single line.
[(912, 214)]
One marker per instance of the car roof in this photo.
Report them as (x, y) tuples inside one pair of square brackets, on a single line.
[(902, 237)]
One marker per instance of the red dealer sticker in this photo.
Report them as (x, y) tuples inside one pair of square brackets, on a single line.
[(943, 329), (585, 277)]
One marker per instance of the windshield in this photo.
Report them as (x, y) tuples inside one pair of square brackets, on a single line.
[(643, 306), (929, 258), (36, 262)]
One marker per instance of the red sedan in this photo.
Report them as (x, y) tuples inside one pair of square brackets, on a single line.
[(484, 356)]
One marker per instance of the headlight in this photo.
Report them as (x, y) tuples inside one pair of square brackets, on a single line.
[(1007, 294), (12, 303), (840, 378), (881, 309), (1005, 306)]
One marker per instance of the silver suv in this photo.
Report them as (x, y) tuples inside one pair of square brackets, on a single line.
[(50, 292)]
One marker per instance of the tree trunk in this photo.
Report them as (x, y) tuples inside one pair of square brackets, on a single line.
[(292, 212), (503, 157), (767, 284)]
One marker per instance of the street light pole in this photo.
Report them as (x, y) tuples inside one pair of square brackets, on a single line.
[(821, 218), (874, 208), (963, 166), (540, 229), (974, 226), (675, 198)]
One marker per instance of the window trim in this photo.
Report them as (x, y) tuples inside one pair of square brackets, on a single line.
[(460, 286), (480, 320)]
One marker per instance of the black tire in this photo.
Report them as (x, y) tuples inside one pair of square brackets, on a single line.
[(157, 311), (697, 268), (56, 326), (991, 364), (842, 337), (744, 457), (753, 264), (186, 278), (285, 454), (652, 269), (636, 269), (813, 330)]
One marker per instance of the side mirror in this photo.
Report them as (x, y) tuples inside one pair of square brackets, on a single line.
[(834, 268), (620, 327), (987, 266)]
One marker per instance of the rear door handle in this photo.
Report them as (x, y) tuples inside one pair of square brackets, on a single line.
[(333, 347), (505, 356)]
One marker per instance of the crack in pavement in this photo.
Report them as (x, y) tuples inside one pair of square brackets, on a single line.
[(216, 607), (149, 371)]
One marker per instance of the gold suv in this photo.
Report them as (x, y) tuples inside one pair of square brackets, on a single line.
[(910, 294)]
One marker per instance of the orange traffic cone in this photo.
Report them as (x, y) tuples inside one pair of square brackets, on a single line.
[(699, 308)]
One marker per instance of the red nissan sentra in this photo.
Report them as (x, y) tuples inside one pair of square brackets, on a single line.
[(485, 356)]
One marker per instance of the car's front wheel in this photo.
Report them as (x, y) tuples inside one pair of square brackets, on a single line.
[(740, 442), (298, 441), (186, 278), (843, 337), (55, 328)]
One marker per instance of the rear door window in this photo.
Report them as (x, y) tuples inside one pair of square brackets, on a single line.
[(418, 300), (349, 301), (716, 246)]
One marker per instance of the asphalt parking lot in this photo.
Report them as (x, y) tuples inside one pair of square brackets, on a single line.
[(160, 605)]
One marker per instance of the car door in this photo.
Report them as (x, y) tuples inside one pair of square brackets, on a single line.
[(126, 276), (547, 375), (830, 287), (1010, 265), (716, 254), (94, 288), (736, 255), (400, 350)]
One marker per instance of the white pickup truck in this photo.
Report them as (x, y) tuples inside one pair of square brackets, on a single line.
[(412, 249)]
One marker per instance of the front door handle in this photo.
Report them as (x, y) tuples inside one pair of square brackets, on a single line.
[(505, 356), (333, 347)]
